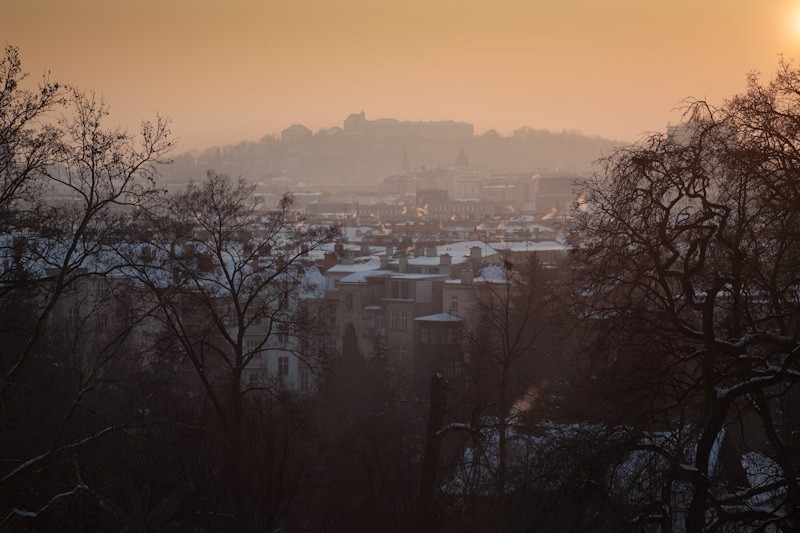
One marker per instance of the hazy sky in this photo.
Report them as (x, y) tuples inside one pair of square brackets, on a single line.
[(226, 71)]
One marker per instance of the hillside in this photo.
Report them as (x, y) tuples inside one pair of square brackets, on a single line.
[(341, 158)]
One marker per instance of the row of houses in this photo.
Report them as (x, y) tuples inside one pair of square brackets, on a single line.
[(410, 302), (413, 305)]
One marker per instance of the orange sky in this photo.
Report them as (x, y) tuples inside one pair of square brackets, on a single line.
[(233, 70)]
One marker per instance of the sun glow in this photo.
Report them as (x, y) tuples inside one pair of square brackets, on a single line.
[(793, 21)]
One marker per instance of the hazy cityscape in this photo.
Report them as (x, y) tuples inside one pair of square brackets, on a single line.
[(358, 266)]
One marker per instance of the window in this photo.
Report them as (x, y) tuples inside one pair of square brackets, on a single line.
[(283, 333), (380, 321), (394, 319), (72, 315), (399, 289), (348, 301), (283, 367), (305, 381), (403, 320), (438, 335), (103, 290), (250, 346), (454, 302), (403, 353)]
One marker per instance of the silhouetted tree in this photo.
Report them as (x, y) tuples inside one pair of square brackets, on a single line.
[(222, 268), (65, 184), (371, 437), (506, 318), (687, 248)]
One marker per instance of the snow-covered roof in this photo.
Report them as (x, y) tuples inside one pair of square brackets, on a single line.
[(432, 261), (351, 234), (409, 275), (491, 273), (464, 248), (312, 284), (372, 264), (440, 317), (530, 246), (362, 275)]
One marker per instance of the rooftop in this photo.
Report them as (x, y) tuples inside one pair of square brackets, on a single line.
[(440, 317)]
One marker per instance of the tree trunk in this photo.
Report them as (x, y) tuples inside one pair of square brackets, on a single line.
[(430, 461)]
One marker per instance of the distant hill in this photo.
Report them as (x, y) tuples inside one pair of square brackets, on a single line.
[(345, 159)]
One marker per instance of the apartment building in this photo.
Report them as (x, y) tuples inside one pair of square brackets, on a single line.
[(382, 297)]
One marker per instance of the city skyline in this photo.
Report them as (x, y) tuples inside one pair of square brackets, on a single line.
[(231, 72)]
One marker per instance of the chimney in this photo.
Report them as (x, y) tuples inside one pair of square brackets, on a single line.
[(304, 249), (475, 257), (338, 248), (384, 262), (329, 259), (467, 276), (364, 248), (389, 250), (445, 260), (404, 264)]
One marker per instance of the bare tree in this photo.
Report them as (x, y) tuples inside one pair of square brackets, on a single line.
[(687, 249), (506, 314), (27, 137), (224, 269), (68, 183)]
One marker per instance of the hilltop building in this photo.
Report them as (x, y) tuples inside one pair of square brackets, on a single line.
[(357, 125), (296, 132)]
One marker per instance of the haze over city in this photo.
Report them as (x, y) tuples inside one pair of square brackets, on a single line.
[(231, 71), (391, 266)]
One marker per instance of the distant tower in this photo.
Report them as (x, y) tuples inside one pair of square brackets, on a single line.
[(356, 124), (461, 160), (406, 167)]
